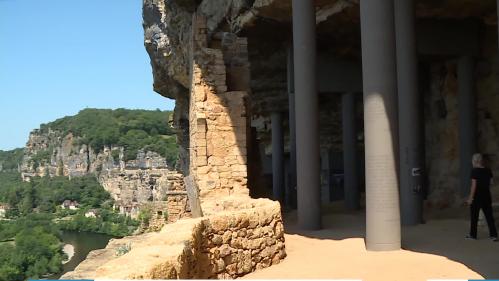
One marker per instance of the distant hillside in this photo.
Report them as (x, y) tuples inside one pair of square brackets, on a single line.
[(131, 129)]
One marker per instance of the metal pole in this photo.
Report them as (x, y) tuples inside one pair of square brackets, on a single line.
[(380, 122), (291, 188), (467, 121), (277, 157), (411, 162), (350, 156), (307, 120)]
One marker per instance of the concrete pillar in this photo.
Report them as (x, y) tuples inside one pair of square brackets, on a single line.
[(467, 121), (307, 119), (411, 162), (380, 123), (291, 187), (350, 157), (277, 157)]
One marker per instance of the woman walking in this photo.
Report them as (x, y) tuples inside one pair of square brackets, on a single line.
[(480, 197)]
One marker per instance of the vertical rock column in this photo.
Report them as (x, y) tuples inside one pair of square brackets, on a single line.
[(467, 121), (217, 115), (411, 161), (291, 188), (307, 119), (277, 157), (350, 156), (380, 122)]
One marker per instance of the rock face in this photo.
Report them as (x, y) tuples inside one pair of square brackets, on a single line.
[(55, 155), (160, 190)]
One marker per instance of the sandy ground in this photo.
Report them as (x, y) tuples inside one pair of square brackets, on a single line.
[(435, 250), (69, 250)]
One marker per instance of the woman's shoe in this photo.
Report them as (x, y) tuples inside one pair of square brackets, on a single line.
[(469, 237), (494, 239)]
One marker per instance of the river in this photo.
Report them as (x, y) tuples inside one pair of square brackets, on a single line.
[(83, 243)]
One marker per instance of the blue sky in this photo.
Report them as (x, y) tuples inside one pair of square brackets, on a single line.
[(60, 56)]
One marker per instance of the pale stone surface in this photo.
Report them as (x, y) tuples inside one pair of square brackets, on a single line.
[(216, 246)]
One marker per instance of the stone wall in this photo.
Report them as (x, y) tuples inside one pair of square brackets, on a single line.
[(238, 243), (227, 245), (217, 112)]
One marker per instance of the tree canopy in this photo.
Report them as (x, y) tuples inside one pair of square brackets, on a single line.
[(10, 159)]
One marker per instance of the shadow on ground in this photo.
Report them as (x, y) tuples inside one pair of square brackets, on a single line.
[(442, 234)]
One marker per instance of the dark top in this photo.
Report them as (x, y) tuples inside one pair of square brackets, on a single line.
[(482, 177)]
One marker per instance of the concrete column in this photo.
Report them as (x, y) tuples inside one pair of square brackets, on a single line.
[(291, 187), (350, 157), (467, 121), (307, 119), (277, 157), (380, 122), (411, 162)]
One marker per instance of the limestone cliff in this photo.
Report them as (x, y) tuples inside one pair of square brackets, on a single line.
[(145, 181), (54, 154)]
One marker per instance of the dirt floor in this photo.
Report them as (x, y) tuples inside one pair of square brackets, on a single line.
[(435, 250)]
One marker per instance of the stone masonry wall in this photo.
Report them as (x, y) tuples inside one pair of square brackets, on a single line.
[(227, 245), (237, 244), (217, 114)]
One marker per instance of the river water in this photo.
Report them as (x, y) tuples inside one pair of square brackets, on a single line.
[(83, 243)]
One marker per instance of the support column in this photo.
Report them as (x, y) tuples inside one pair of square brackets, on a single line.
[(497, 8), (411, 162), (380, 122), (291, 187), (277, 157), (307, 119), (350, 157), (467, 121)]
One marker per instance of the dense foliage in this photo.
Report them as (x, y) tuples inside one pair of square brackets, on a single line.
[(45, 195), (10, 159), (108, 222), (132, 129), (34, 250), (30, 244)]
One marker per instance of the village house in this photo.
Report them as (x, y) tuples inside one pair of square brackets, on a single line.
[(69, 204), (3, 210), (92, 213)]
